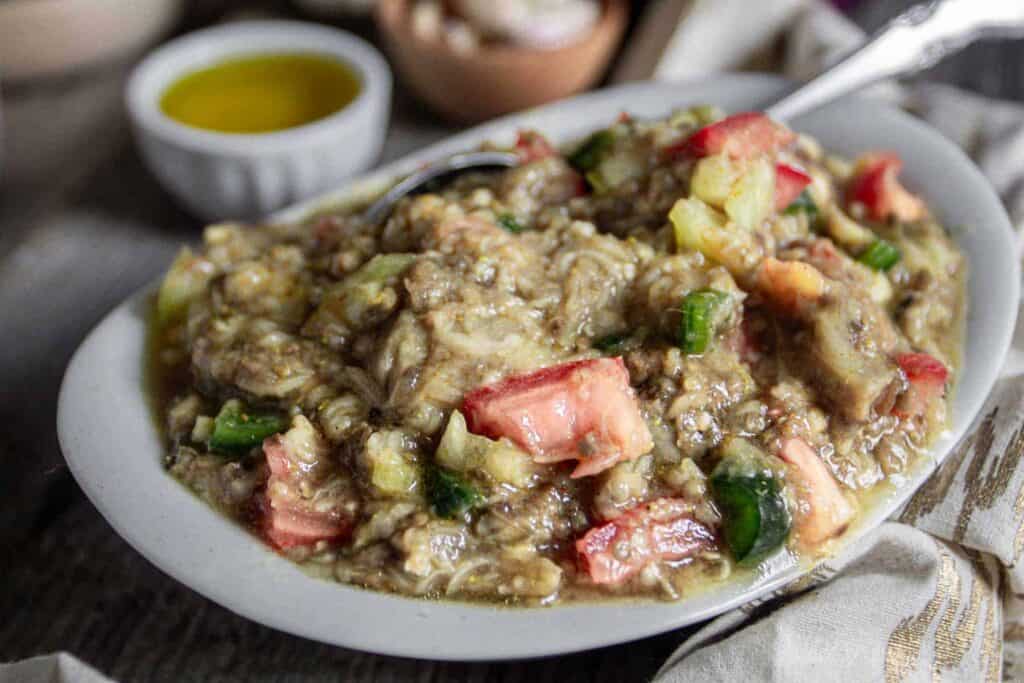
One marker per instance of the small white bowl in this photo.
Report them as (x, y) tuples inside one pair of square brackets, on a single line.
[(227, 175)]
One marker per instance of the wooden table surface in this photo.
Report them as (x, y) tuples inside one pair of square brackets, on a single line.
[(82, 225)]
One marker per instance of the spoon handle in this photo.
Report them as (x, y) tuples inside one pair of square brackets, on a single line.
[(913, 41)]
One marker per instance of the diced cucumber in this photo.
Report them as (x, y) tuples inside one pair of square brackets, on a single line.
[(498, 461), (847, 232), (380, 268), (752, 197), (713, 179), (696, 117), (184, 282), (390, 461), (755, 518), (365, 297), (703, 228), (616, 169)]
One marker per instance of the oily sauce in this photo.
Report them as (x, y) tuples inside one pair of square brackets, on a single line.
[(262, 93)]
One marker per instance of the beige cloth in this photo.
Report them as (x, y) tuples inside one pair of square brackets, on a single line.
[(55, 668), (933, 594)]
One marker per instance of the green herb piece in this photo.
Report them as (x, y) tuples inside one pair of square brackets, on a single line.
[(881, 255), (612, 344), (450, 495), (509, 222), (236, 430), (701, 311), (590, 153), (803, 204)]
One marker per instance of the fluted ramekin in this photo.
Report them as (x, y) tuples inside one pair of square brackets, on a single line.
[(226, 175)]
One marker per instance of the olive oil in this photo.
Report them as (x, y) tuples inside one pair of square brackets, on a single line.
[(261, 93)]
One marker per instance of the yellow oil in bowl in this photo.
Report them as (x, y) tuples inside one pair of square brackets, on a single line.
[(261, 93)]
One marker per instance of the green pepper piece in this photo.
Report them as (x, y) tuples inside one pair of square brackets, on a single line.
[(450, 495), (612, 344), (881, 255), (701, 311), (380, 268), (509, 222), (755, 518), (589, 154), (235, 430), (803, 204)]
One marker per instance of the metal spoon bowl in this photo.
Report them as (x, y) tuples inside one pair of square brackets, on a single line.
[(455, 164)]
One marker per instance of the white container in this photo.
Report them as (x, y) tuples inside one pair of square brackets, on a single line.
[(247, 176)]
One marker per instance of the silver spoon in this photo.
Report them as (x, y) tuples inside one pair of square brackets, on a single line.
[(913, 41), (456, 163)]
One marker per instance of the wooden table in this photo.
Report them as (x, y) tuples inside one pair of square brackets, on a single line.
[(82, 225)]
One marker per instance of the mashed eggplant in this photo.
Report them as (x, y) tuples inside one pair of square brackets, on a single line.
[(676, 349)]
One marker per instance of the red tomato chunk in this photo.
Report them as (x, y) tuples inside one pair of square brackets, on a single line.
[(741, 136), (532, 146), (875, 185), (287, 528), (927, 378), (288, 519), (582, 410), (661, 530), (790, 181), (823, 512)]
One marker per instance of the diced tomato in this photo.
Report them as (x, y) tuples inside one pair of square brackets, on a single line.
[(741, 136), (624, 117), (288, 520), (581, 188), (287, 528), (583, 410), (660, 530), (746, 340), (532, 146), (790, 286), (876, 185), (327, 229), (823, 251), (824, 512), (790, 181), (927, 378)]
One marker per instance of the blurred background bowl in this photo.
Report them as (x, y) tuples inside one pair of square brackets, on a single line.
[(495, 79), (48, 37)]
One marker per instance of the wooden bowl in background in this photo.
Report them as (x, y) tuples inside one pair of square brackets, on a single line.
[(496, 79)]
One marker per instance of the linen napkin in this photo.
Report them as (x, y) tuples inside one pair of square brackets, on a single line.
[(936, 593), (56, 668)]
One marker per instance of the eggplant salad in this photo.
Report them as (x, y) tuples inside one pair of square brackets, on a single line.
[(628, 368)]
